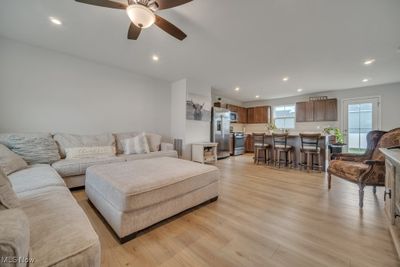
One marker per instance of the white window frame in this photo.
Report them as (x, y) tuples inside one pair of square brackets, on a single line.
[(285, 105)]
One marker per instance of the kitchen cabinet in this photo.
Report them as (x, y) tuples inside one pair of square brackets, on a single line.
[(331, 110), (242, 112), (319, 110), (259, 114), (249, 145), (305, 111)]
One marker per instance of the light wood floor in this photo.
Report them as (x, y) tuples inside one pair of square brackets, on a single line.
[(264, 217)]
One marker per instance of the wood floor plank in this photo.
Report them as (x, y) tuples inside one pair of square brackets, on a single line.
[(264, 216)]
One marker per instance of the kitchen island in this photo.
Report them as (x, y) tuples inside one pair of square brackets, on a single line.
[(294, 140)]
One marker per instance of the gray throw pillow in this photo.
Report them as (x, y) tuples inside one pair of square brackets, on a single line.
[(33, 148), (8, 198), (10, 162)]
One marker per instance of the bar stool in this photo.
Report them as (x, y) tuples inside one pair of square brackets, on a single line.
[(281, 146), (260, 148), (309, 149)]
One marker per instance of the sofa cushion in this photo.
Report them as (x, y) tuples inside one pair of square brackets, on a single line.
[(136, 145), (154, 141), (347, 169), (73, 140), (137, 184), (14, 236), (89, 152), (121, 136), (158, 154), (8, 198), (61, 234), (35, 177), (10, 162), (72, 167), (33, 148)]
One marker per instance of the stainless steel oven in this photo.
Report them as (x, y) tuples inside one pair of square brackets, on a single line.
[(239, 140)]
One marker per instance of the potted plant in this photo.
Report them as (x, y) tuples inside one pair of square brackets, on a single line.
[(337, 146), (270, 127)]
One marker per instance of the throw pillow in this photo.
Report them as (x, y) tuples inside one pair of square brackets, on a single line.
[(154, 141), (33, 148), (10, 162), (8, 198), (136, 145), (90, 152), (73, 140)]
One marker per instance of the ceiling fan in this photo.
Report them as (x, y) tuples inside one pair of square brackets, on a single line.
[(142, 14)]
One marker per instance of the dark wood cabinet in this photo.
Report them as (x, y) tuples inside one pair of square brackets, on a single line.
[(304, 111), (249, 146), (259, 114), (331, 110), (250, 115), (319, 110), (242, 112), (301, 111)]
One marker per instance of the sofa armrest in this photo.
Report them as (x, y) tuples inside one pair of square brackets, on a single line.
[(167, 147), (14, 238), (374, 162), (349, 157)]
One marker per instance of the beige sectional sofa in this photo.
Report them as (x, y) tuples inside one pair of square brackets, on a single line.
[(48, 223)]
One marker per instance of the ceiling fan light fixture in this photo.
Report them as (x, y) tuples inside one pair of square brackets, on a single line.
[(141, 15)]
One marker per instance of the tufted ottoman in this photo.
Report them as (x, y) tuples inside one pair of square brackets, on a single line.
[(134, 195)]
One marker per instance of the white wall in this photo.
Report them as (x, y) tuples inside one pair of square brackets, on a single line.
[(46, 91), (189, 131), (390, 105)]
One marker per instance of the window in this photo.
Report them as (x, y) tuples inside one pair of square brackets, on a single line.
[(285, 116)]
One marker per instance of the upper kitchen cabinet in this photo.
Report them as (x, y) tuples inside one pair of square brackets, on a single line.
[(305, 111), (318, 110), (242, 112), (259, 114), (331, 110)]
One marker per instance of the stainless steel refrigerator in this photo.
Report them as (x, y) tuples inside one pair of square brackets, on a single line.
[(220, 127)]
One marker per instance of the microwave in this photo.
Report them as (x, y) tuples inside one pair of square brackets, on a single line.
[(234, 117)]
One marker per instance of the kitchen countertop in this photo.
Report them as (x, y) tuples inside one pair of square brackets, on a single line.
[(393, 154), (293, 134)]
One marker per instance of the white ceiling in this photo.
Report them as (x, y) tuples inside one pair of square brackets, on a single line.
[(320, 44)]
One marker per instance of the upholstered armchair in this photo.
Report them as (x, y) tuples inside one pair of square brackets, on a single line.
[(368, 168)]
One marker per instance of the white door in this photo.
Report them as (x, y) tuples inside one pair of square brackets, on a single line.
[(360, 116)]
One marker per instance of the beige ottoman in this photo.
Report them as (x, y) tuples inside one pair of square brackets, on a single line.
[(134, 195)]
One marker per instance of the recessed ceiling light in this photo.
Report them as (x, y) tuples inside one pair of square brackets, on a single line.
[(237, 89), (155, 58), (365, 80), (369, 61), (300, 90), (285, 79), (257, 96), (55, 20)]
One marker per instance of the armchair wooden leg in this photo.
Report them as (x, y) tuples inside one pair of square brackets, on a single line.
[(361, 195), (329, 181), (374, 189)]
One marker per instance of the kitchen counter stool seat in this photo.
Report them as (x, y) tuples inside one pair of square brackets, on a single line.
[(261, 149)]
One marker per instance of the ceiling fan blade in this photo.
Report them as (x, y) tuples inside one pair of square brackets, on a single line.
[(170, 28), (133, 32), (164, 4), (104, 3)]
